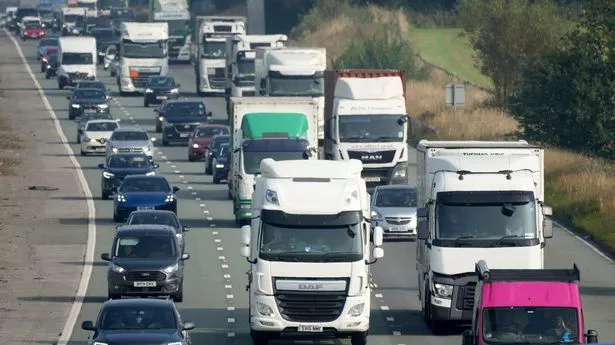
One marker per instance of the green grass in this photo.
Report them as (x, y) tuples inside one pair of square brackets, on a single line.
[(444, 47)]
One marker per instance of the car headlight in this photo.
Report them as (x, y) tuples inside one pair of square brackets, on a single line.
[(272, 197), (160, 118), (174, 90), (107, 174), (264, 309), (399, 172), (356, 310), (151, 173), (75, 106), (442, 290), (195, 146), (175, 343), (103, 106), (117, 268), (98, 343), (121, 198), (169, 198), (85, 139), (115, 150), (376, 216), (219, 166), (171, 269), (149, 91)]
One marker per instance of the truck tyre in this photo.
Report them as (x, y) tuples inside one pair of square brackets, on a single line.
[(359, 338), (260, 338)]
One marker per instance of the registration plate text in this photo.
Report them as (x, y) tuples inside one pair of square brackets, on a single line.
[(372, 179), (310, 328), (161, 97), (144, 208), (184, 135), (397, 229), (145, 284)]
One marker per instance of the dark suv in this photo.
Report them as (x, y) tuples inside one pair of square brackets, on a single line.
[(146, 260)]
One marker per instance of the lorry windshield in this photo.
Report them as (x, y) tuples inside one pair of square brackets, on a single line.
[(370, 128), (530, 325), (151, 50), (252, 159), (72, 18), (501, 218), (245, 68), (77, 59), (339, 243), (296, 85), (178, 27), (213, 50)]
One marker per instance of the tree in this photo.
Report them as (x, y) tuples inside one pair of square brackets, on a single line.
[(507, 35), (566, 98)]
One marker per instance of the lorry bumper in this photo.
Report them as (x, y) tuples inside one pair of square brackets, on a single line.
[(460, 305)]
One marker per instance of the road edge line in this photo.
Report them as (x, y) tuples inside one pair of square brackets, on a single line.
[(86, 272)]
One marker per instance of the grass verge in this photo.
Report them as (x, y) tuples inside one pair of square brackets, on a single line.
[(580, 189), (10, 144)]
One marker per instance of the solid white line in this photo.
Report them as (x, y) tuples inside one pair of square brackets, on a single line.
[(90, 244), (230, 335), (591, 246)]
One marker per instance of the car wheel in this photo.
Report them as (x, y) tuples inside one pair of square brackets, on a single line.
[(112, 73), (43, 69), (179, 296), (359, 338), (208, 169), (71, 116), (47, 76), (191, 158), (60, 84)]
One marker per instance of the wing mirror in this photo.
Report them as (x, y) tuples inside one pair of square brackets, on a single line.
[(175, 189), (185, 229), (402, 120), (101, 166), (591, 336), (188, 325), (377, 253), (88, 326), (178, 85), (245, 252), (185, 256), (378, 236), (422, 231), (547, 211), (246, 234), (209, 114), (105, 257)]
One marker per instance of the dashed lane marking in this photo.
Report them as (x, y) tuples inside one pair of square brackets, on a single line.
[(176, 171), (224, 266), (230, 296), (228, 286), (230, 335), (230, 308), (181, 176), (202, 205), (227, 276), (396, 333), (384, 307), (210, 218), (220, 249), (378, 295), (217, 240), (390, 319), (221, 258), (230, 320), (214, 233)]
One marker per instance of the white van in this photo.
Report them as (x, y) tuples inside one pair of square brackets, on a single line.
[(77, 60)]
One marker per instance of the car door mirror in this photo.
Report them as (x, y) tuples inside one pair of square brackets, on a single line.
[(185, 256), (155, 165), (178, 85), (185, 228), (101, 166), (105, 257), (422, 232), (88, 326), (175, 189), (188, 325)]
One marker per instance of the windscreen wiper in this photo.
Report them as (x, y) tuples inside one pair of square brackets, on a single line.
[(502, 240), (335, 256), (385, 139), (459, 240)]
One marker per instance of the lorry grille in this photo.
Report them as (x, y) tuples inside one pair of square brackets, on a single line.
[(398, 220), (377, 157), (141, 80), (217, 80), (310, 306), (465, 297), (145, 276)]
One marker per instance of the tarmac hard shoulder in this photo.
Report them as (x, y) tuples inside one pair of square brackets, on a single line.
[(43, 230)]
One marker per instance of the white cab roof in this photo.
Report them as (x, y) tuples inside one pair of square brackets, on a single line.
[(369, 88), (145, 31), (76, 44), (311, 169), (296, 56), (261, 38)]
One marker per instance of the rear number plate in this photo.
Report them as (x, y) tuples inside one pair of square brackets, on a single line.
[(310, 328), (144, 208), (145, 284), (396, 229), (372, 179), (185, 135), (161, 97), (90, 110)]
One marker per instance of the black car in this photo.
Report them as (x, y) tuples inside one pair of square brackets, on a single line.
[(104, 36), (52, 66), (121, 165), (146, 260), (93, 84), (85, 101), (159, 217), (178, 119), (43, 43), (139, 321), (21, 13), (221, 164), (212, 150), (49, 19), (159, 89)]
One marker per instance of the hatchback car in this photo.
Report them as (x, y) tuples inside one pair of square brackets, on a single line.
[(32, 30), (394, 210), (83, 120), (159, 217), (95, 135), (87, 101), (121, 322), (140, 192), (201, 138), (93, 84), (146, 260), (131, 140), (110, 53), (212, 150), (118, 166), (44, 43), (221, 164), (159, 89)]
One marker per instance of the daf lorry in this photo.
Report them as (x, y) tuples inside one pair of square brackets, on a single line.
[(240, 57), (310, 246), (176, 14), (210, 59), (365, 119), (143, 53), (77, 60), (282, 128), (477, 200), (73, 19)]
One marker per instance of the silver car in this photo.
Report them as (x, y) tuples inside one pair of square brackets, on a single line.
[(394, 210), (130, 140), (83, 120)]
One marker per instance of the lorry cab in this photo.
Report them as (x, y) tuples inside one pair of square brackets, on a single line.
[(77, 60), (72, 19), (176, 14), (527, 306)]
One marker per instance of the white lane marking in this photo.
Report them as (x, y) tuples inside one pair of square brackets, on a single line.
[(210, 218), (185, 182), (174, 166), (228, 286), (181, 176), (230, 320), (205, 211), (230, 308), (202, 205), (131, 118), (189, 187), (217, 240), (212, 225), (396, 333), (220, 249), (197, 199), (214, 232), (230, 335), (378, 295), (390, 318), (176, 171), (591, 246), (224, 266), (163, 157), (227, 276), (90, 245), (230, 296), (384, 307), (375, 285), (221, 258), (194, 193)]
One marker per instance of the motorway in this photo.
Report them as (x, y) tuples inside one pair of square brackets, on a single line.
[(214, 291)]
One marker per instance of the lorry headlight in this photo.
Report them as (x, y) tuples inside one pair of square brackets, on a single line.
[(376, 216), (175, 91), (443, 290), (149, 91), (264, 309), (399, 172), (357, 310), (272, 197), (75, 106)]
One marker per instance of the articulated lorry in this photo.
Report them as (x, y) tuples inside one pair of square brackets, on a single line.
[(210, 50), (282, 128), (310, 246), (176, 14), (365, 119), (144, 53), (478, 200)]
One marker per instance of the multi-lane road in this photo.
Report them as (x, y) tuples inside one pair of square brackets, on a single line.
[(215, 297)]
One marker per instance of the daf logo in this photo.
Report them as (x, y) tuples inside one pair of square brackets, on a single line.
[(371, 157), (310, 286)]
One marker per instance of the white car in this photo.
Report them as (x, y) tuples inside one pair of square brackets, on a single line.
[(109, 56), (96, 134)]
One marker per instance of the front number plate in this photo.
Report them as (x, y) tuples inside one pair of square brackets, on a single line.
[(372, 179), (185, 135), (161, 97), (396, 229), (145, 284), (310, 328), (144, 208)]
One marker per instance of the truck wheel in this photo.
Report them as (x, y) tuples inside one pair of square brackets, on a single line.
[(260, 338), (359, 339), (436, 326)]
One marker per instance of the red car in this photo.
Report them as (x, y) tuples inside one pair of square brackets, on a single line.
[(32, 30), (49, 51), (200, 139)]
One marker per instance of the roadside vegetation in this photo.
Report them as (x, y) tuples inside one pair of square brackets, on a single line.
[(580, 187), (10, 145)]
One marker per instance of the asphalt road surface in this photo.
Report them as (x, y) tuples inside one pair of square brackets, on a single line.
[(214, 291)]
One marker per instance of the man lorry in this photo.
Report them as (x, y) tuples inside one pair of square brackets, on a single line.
[(477, 200), (73, 19), (240, 56), (365, 119), (292, 72), (177, 15), (144, 53), (210, 60), (309, 246), (282, 128), (77, 60)]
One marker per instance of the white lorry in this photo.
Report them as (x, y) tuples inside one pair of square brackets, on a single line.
[(366, 119), (210, 51), (292, 72), (478, 200), (71, 17), (144, 53), (309, 246), (77, 60), (177, 15)]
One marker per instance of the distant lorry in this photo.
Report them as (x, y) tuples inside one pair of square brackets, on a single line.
[(282, 128), (177, 14), (310, 246), (77, 60), (477, 200), (210, 49), (144, 53), (91, 7), (73, 19), (365, 119), (295, 72), (240, 57), (519, 306)]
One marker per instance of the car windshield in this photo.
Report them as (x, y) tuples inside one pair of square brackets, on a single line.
[(131, 317), (52, 53), (33, 25), (213, 50), (46, 14), (187, 109), (219, 141), (89, 93), (77, 59), (161, 82), (371, 128), (129, 136), (397, 197), (129, 161), (91, 85), (530, 325), (159, 218), (101, 127), (144, 246), (145, 184), (208, 132)]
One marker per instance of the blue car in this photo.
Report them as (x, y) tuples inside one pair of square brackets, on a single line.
[(221, 164), (120, 165), (141, 192)]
